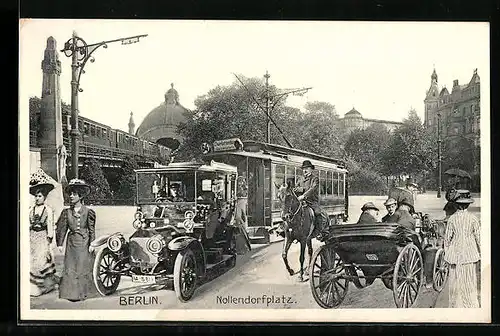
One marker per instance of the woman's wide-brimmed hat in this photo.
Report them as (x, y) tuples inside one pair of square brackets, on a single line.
[(390, 201), (464, 197), (369, 205), (307, 164), (79, 186), (40, 181)]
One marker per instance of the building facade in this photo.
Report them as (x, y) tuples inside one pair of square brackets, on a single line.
[(354, 120), (458, 110)]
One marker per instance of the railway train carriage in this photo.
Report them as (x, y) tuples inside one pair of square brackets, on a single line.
[(99, 136), (266, 167)]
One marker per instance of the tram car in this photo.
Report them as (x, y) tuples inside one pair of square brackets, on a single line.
[(266, 167), (97, 135)]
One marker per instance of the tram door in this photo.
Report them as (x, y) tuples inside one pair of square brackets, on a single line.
[(256, 176)]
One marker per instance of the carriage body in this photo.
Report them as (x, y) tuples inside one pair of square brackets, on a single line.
[(181, 236), (361, 253)]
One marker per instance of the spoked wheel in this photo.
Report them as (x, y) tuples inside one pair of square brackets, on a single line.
[(185, 277), (328, 284), (408, 276), (105, 280), (440, 271)]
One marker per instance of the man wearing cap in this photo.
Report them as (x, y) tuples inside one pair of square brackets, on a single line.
[(311, 196), (462, 248), (391, 206), (369, 214)]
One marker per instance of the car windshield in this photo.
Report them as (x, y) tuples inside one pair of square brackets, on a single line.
[(168, 187)]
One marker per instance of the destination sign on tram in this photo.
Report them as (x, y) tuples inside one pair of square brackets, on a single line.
[(227, 145)]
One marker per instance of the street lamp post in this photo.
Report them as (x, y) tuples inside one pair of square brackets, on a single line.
[(80, 52), (439, 155)]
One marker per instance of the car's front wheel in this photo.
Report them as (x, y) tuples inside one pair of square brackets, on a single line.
[(106, 277), (185, 275)]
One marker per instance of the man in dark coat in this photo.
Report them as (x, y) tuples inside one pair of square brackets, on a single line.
[(369, 214), (311, 196), (391, 206)]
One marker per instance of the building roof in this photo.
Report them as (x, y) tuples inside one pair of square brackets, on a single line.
[(444, 92), (169, 113), (353, 114)]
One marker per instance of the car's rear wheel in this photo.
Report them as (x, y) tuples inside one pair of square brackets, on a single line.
[(185, 275), (106, 278)]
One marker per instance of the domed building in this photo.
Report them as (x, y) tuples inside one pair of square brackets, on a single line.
[(160, 125), (353, 120)]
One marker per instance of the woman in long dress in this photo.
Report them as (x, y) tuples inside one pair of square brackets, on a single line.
[(78, 222), (462, 252), (43, 277)]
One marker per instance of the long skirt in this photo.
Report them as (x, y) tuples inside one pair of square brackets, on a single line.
[(240, 215), (463, 286), (43, 277), (77, 283)]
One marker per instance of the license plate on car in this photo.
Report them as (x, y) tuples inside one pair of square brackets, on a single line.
[(144, 279), (372, 257)]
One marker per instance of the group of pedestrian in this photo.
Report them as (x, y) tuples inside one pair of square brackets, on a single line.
[(76, 225)]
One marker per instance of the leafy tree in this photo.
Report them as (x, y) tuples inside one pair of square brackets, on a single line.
[(93, 175), (231, 111), (366, 146), (126, 189), (411, 149), (364, 180)]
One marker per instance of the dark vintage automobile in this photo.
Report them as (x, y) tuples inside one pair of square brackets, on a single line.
[(182, 230)]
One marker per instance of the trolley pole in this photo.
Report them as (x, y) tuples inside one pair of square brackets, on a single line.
[(439, 155), (268, 133)]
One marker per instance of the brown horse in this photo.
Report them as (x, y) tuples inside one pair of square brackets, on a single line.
[(297, 220)]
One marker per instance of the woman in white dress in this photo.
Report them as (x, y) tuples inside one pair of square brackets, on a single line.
[(462, 252), (42, 269)]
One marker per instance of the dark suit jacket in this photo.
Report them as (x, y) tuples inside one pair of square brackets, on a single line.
[(366, 218), (404, 218), (311, 189), (390, 218)]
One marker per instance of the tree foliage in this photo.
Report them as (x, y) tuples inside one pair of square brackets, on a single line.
[(93, 175), (127, 188), (411, 149)]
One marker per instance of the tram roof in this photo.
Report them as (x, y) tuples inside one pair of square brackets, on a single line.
[(267, 147), (212, 166), (281, 154)]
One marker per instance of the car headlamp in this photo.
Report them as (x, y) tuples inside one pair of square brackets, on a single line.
[(115, 242), (139, 215), (136, 224), (155, 244), (189, 215), (188, 224)]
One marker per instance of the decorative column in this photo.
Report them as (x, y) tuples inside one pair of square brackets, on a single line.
[(50, 126)]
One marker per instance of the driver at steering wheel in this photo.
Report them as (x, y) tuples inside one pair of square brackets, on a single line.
[(175, 193)]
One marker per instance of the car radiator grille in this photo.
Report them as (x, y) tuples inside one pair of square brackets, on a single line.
[(139, 254)]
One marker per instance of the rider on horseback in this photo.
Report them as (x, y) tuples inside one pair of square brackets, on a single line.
[(311, 197)]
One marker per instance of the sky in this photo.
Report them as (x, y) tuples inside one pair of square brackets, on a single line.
[(381, 69)]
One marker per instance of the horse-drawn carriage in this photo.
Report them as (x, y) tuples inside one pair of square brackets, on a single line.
[(360, 253)]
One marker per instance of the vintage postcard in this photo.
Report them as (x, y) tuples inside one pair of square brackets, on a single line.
[(254, 171)]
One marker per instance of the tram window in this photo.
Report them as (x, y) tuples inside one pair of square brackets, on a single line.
[(341, 184), (299, 177), (335, 183), (290, 175), (322, 182), (329, 183)]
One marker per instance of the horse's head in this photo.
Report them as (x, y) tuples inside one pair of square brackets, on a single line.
[(288, 199)]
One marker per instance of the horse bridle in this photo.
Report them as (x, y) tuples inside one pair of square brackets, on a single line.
[(298, 208)]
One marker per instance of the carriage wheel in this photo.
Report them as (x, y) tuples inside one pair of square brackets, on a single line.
[(408, 276), (328, 285), (440, 271)]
